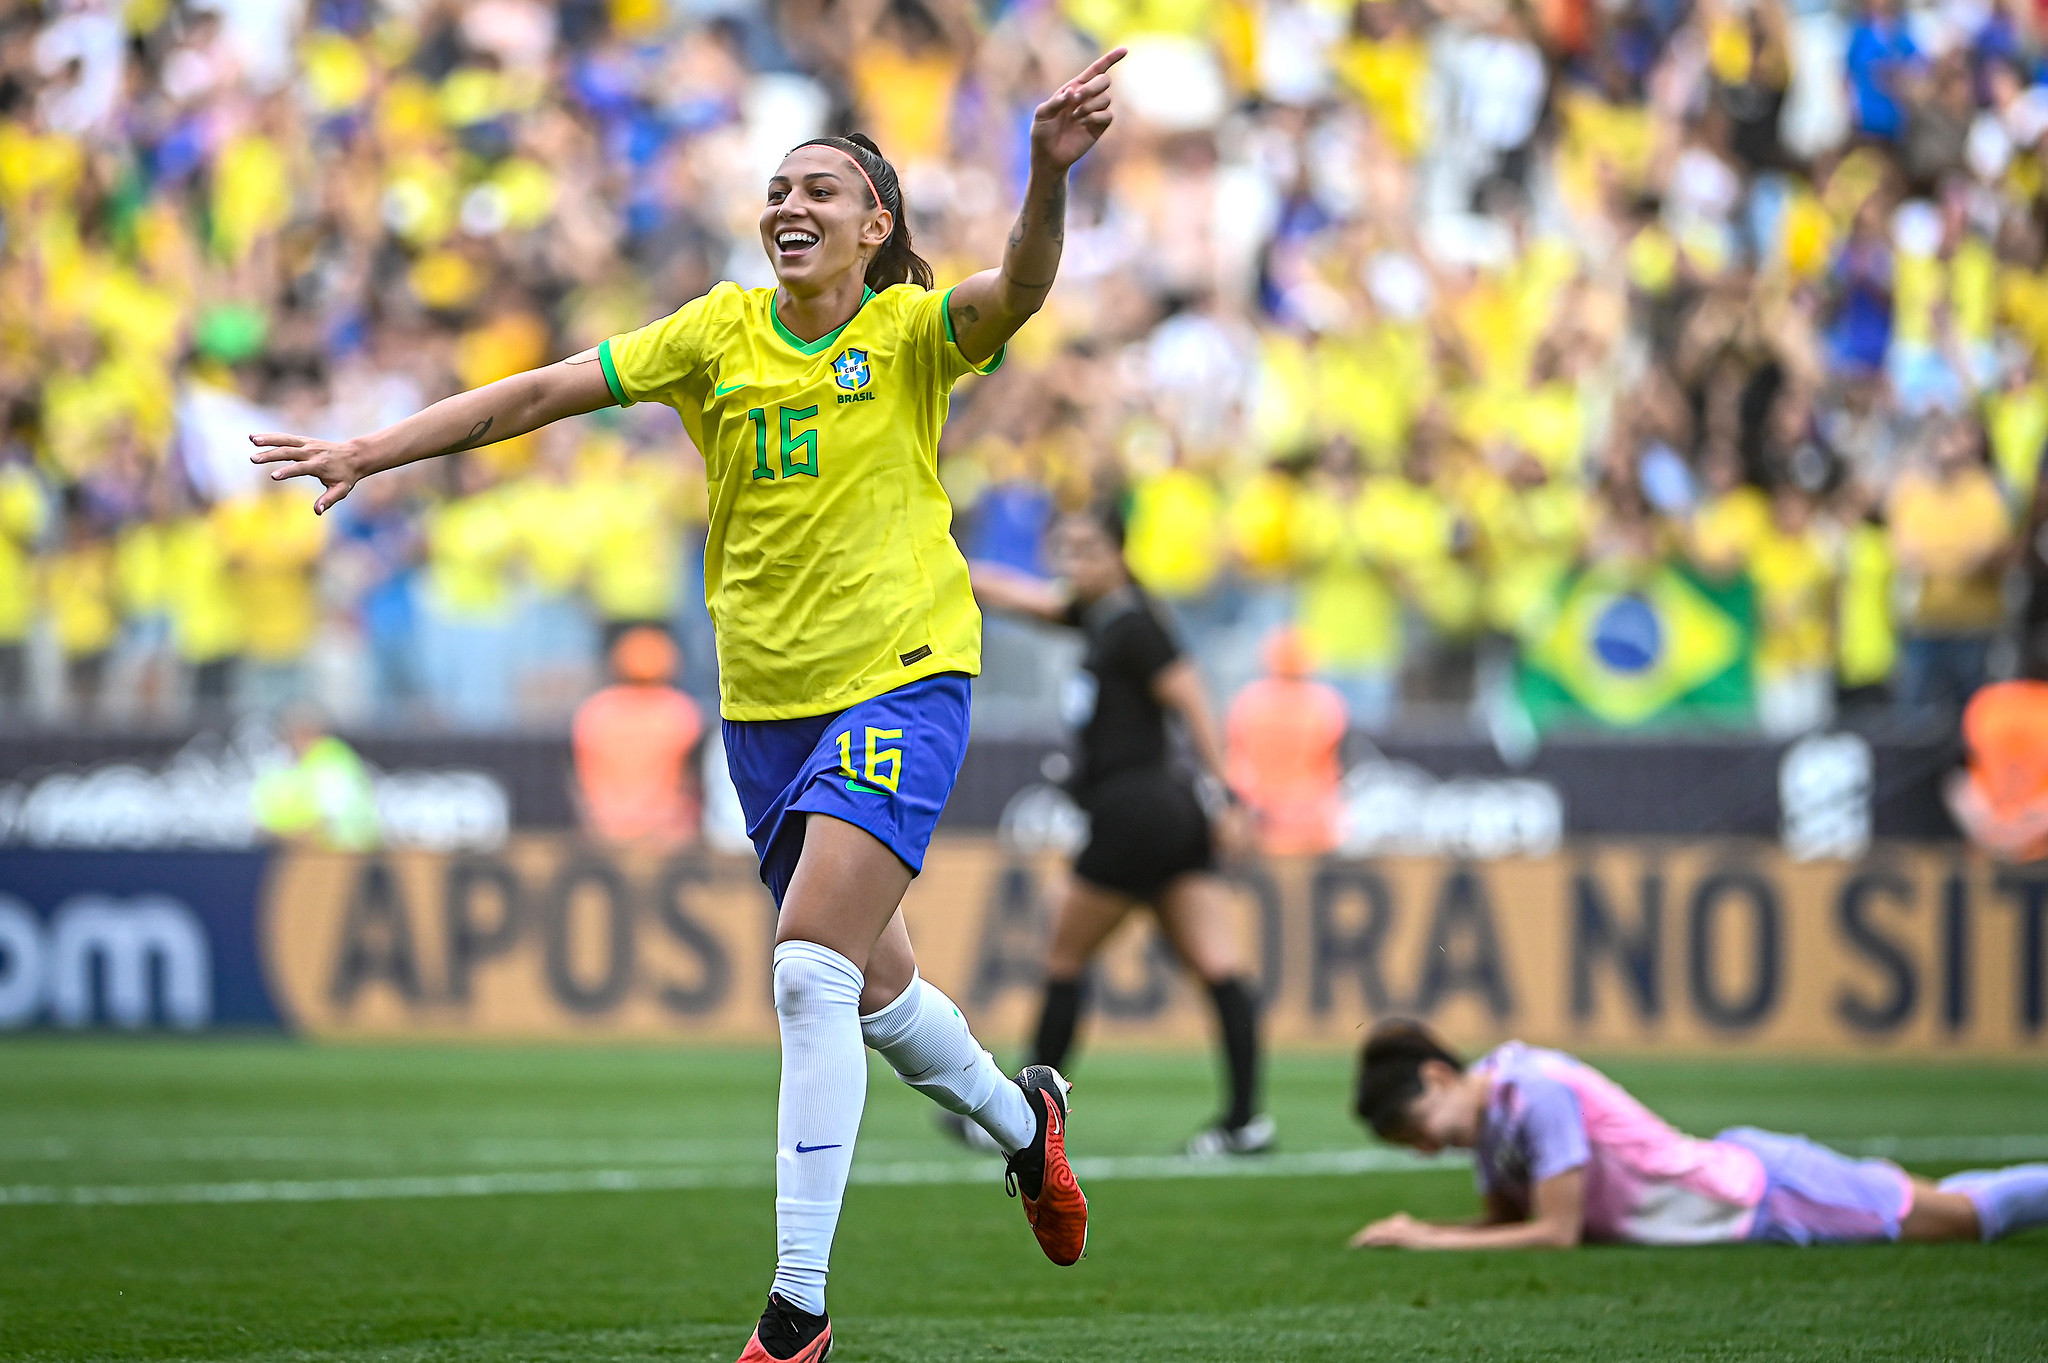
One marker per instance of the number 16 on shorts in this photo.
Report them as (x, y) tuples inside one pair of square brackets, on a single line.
[(883, 768)]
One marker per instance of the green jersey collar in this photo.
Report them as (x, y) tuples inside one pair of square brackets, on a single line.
[(813, 347)]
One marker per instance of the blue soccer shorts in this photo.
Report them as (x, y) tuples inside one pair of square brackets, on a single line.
[(886, 765)]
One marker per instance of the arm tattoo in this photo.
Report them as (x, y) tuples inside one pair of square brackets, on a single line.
[(963, 315), (1053, 211), (475, 436), (1051, 218)]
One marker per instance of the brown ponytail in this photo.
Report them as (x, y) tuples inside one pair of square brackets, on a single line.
[(896, 262)]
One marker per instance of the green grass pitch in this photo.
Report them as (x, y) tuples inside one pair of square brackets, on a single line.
[(350, 1230)]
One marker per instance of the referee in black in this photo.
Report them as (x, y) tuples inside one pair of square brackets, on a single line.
[(1151, 840)]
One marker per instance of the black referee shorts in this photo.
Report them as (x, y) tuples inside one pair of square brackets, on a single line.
[(1145, 828)]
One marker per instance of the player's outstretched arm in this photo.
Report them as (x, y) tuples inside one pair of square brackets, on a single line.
[(999, 587), (481, 416), (986, 309), (1556, 1220)]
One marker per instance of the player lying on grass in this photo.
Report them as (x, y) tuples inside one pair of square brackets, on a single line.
[(846, 632), (1564, 1154)]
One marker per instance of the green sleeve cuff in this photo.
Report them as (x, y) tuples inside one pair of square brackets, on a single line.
[(988, 366), (611, 373)]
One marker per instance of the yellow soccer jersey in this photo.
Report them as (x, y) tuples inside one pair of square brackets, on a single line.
[(829, 565)]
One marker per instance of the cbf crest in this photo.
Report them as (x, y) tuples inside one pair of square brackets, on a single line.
[(850, 371)]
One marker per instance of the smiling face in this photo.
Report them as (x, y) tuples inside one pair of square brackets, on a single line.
[(817, 225)]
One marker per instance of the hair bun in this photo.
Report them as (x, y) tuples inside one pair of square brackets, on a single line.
[(863, 140)]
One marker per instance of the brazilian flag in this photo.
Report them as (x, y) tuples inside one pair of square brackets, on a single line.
[(1632, 645)]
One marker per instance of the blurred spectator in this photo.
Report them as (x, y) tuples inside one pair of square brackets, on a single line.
[(325, 796), (1941, 107), (1284, 736), (378, 549), (273, 549), (1012, 515), (205, 613), (1879, 64), (467, 624), (634, 739), (24, 511), (1950, 534), (636, 548), (557, 514), (1862, 329), (1351, 615), (1749, 53), (1866, 638), (2016, 424), (142, 576), (1734, 516), (1795, 571), (78, 593)]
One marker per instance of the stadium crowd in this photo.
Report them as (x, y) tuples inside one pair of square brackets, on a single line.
[(1385, 318)]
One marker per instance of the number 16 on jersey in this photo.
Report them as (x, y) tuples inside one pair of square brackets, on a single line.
[(794, 442)]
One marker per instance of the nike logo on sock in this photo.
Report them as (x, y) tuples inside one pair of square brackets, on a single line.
[(803, 1149)]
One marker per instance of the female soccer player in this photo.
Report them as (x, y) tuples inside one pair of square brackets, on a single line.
[(1150, 840), (1563, 1154), (846, 631)]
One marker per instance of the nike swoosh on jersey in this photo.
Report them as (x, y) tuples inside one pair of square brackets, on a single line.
[(725, 388), (803, 1149)]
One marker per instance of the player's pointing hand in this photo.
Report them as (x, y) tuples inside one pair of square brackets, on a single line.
[(298, 456), (1068, 124)]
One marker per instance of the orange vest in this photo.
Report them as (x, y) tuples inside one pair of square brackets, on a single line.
[(2002, 803), (1284, 738), (633, 746)]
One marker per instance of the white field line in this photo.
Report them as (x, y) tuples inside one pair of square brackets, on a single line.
[(666, 1152), (1948, 1147), (487, 1150), (930, 1172), (1114, 1168)]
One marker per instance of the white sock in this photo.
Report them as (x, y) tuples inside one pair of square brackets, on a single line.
[(824, 1087), (926, 1041), (2007, 1200)]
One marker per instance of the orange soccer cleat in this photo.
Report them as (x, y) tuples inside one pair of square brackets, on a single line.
[(1040, 1176), (803, 1338)]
